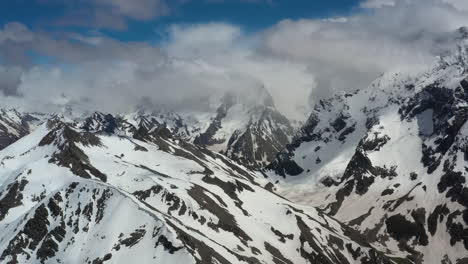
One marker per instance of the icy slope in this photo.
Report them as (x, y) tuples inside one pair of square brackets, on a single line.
[(72, 196), (391, 161)]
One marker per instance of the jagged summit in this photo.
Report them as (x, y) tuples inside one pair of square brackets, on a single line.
[(247, 129)]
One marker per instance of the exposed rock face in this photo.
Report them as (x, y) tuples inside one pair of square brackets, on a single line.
[(71, 193), (99, 122), (393, 161), (257, 144), (250, 134), (15, 125)]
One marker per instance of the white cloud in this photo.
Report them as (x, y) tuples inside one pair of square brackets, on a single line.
[(297, 61), (226, 48), (198, 41), (10, 78), (458, 4), (377, 3), (15, 32), (349, 54), (195, 62)]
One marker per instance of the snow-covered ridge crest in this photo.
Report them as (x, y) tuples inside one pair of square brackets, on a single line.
[(71, 195)]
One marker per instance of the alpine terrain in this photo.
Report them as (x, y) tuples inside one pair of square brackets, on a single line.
[(390, 161), (249, 131), (74, 192), (373, 176)]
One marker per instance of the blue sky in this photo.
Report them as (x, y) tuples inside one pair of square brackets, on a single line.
[(253, 15)]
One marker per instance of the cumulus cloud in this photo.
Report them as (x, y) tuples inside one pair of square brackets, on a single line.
[(10, 79), (459, 4), (15, 32), (204, 40), (349, 53), (225, 48), (193, 64), (297, 61)]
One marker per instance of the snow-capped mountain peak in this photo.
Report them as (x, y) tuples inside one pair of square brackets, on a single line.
[(390, 160)]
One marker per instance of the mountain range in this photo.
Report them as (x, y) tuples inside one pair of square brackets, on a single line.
[(377, 175)]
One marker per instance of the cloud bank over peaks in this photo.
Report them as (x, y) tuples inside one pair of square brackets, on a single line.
[(297, 61), (194, 63)]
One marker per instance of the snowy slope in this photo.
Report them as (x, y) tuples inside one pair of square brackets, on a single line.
[(391, 161), (72, 196)]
